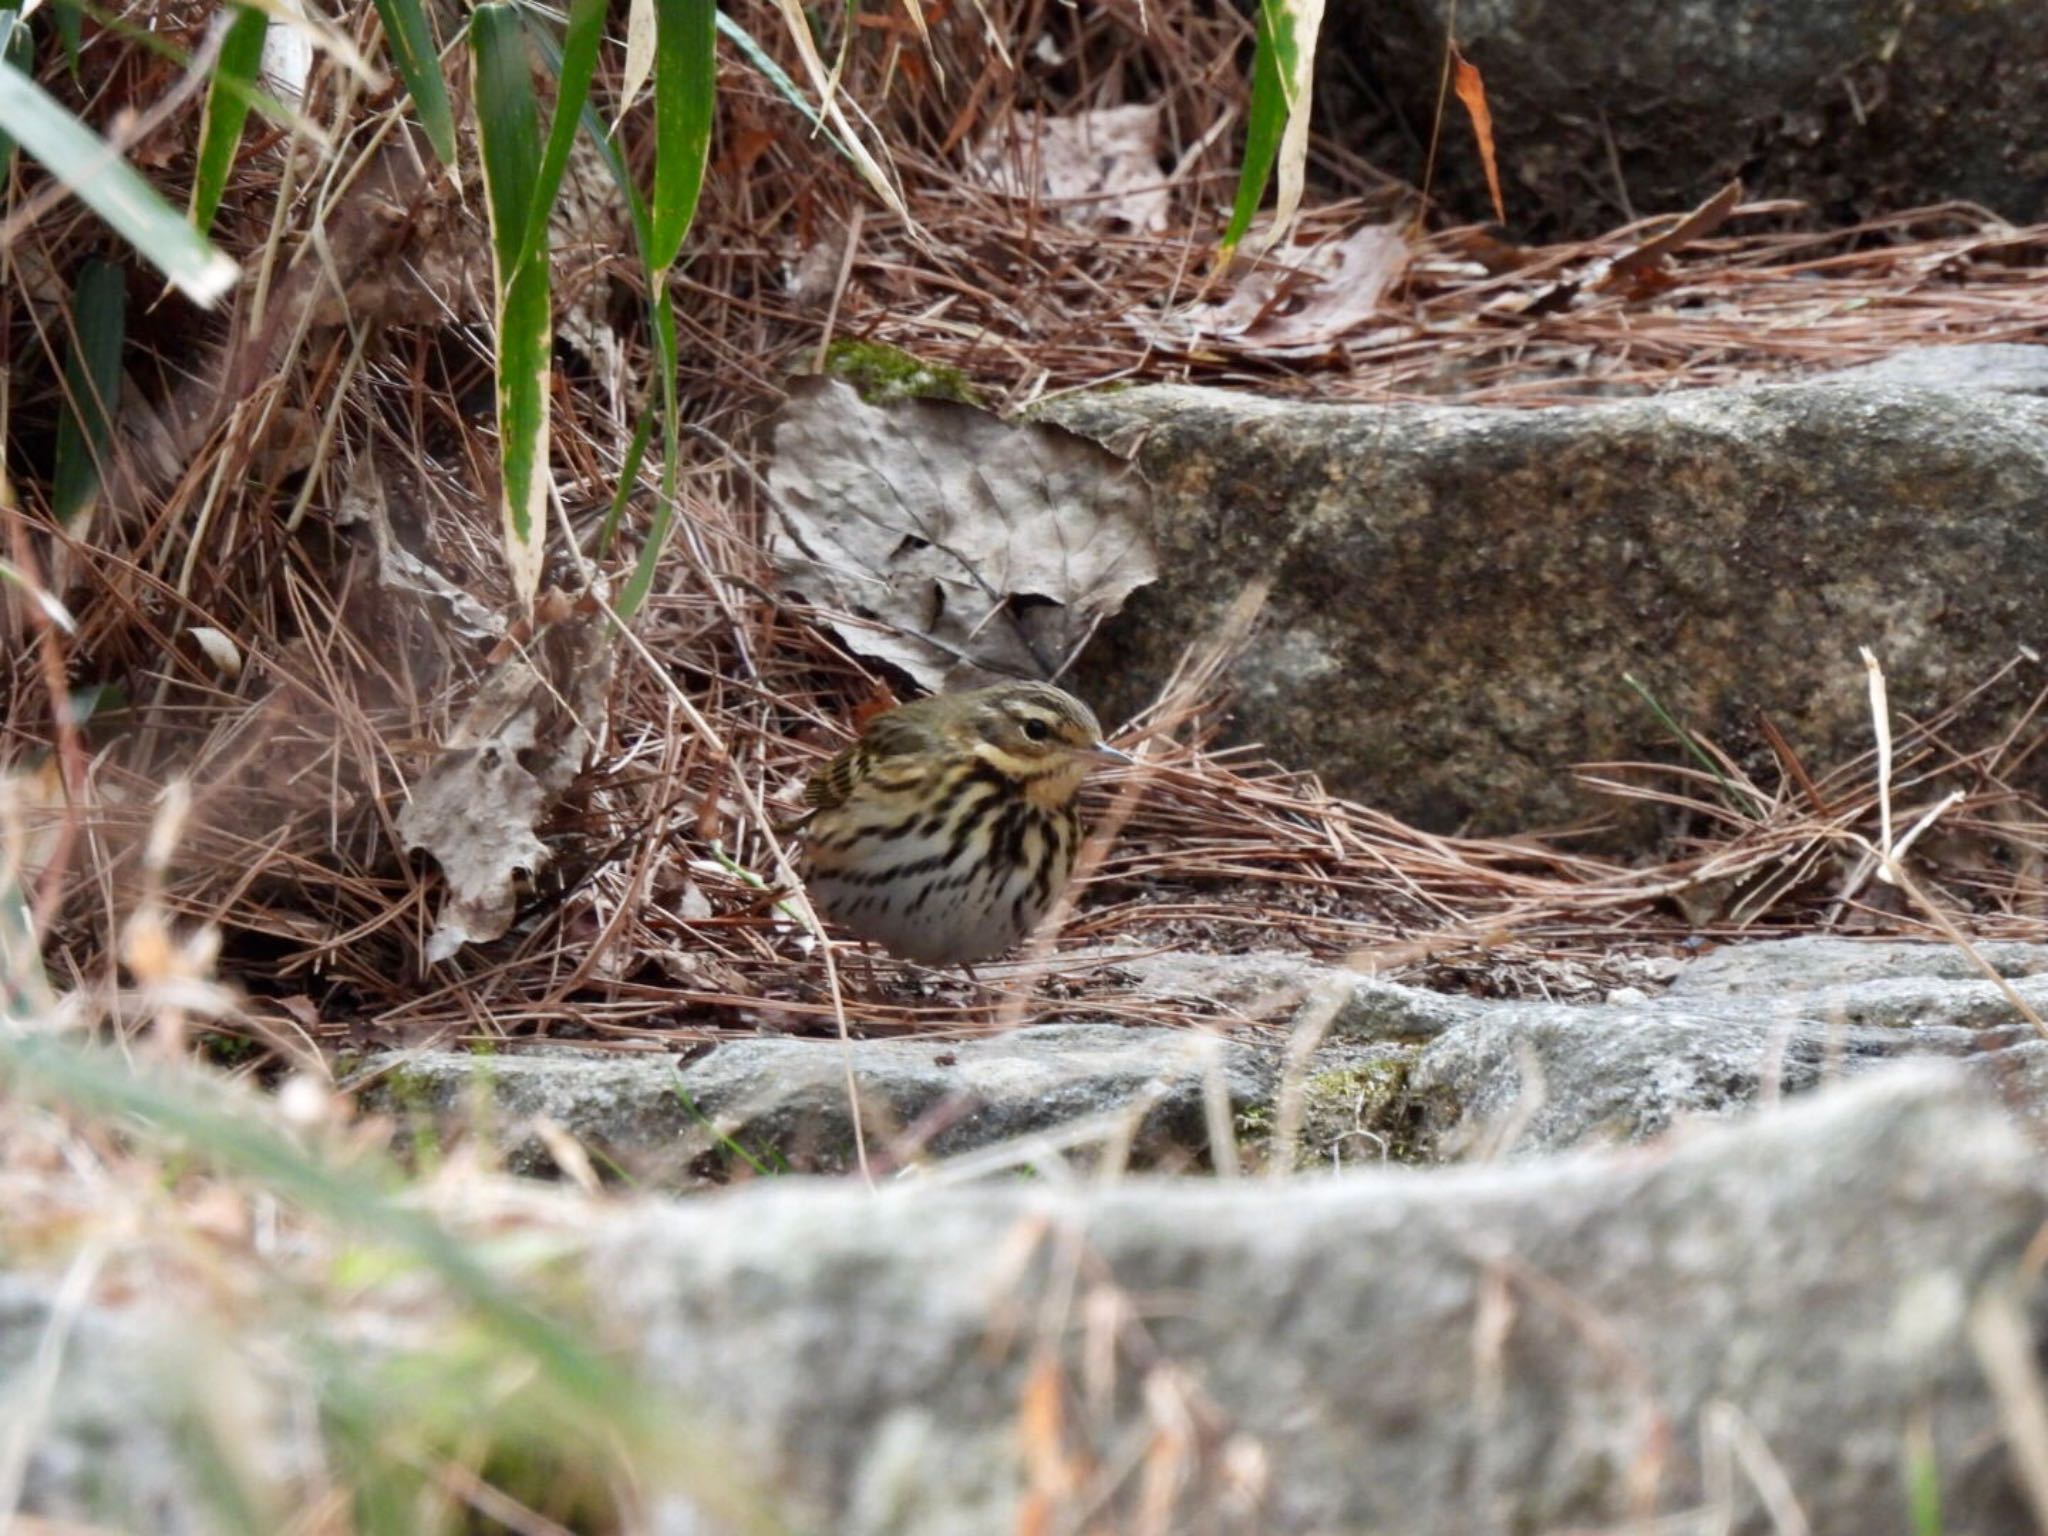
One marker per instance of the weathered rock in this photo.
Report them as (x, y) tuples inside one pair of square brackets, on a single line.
[(1399, 1073), (1283, 988), (1746, 1023), (1459, 592), (1543, 1077), (784, 1101), (1604, 111), (1525, 1349), (113, 1440), (1561, 1344), (2010, 366), (1816, 963), (1419, 1076)]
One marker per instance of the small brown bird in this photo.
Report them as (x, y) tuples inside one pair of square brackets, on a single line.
[(948, 830)]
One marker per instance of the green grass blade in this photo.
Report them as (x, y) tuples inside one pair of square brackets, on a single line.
[(25, 992), (18, 48), (508, 125), (764, 64), (581, 1389), (92, 387), (593, 126), (629, 476), (1739, 799), (1273, 64), (410, 37), (767, 1165), (104, 182), (641, 582), (227, 109), (1920, 1465), (685, 91), (69, 18), (573, 67)]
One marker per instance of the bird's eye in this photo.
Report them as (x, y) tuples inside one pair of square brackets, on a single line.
[(1036, 730)]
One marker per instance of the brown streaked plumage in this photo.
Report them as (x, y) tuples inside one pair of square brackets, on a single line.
[(948, 830)]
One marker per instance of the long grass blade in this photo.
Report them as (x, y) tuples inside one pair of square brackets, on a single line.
[(877, 176), (641, 582), (192, 1110), (629, 478), (68, 16), (18, 48), (685, 91), (765, 65), (108, 185), (92, 387), (410, 36), (227, 109), (1297, 59), (1741, 800), (1276, 124), (574, 66), (508, 126)]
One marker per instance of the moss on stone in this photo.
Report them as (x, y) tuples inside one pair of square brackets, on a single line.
[(1360, 1111), (883, 373)]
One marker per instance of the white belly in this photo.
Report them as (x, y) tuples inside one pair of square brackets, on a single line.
[(948, 910)]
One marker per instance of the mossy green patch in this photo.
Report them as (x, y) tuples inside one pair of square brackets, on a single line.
[(883, 373), (1359, 1112), (229, 1051)]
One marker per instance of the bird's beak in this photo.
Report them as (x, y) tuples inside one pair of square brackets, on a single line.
[(1109, 754)]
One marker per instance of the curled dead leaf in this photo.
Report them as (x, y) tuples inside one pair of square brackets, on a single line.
[(1299, 302), (1094, 170), (533, 725), (947, 542)]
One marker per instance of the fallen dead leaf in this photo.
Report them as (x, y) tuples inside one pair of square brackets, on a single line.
[(1471, 92), (1296, 304), (533, 725), (1094, 170), (947, 542), (365, 501)]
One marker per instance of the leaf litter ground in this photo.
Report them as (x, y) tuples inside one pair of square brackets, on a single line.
[(321, 494)]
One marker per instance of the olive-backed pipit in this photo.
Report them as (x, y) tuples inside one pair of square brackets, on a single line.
[(949, 829)]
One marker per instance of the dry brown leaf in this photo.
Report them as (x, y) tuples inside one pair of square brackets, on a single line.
[(365, 501), (1697, 225), (533, 725), (1471, 90), (948, 542), (1093, 170), (1297, 304)]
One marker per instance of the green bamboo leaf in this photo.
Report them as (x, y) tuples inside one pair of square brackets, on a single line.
[(573, 68), (104, 182), (227, 109), (1273, 65), (629, 476), (508, 126), (18, 48), (410, 38), (593, 127), (764, 64), (685, 91), (69, 17), (92, 387), (641, 582), (1297, 77)]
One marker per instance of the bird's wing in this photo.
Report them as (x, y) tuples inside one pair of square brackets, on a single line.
[(887, 736)]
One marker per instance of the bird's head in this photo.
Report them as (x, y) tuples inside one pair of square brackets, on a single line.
[(1034, 733)]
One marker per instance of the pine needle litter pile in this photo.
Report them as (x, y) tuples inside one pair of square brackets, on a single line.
[(291, 593)]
